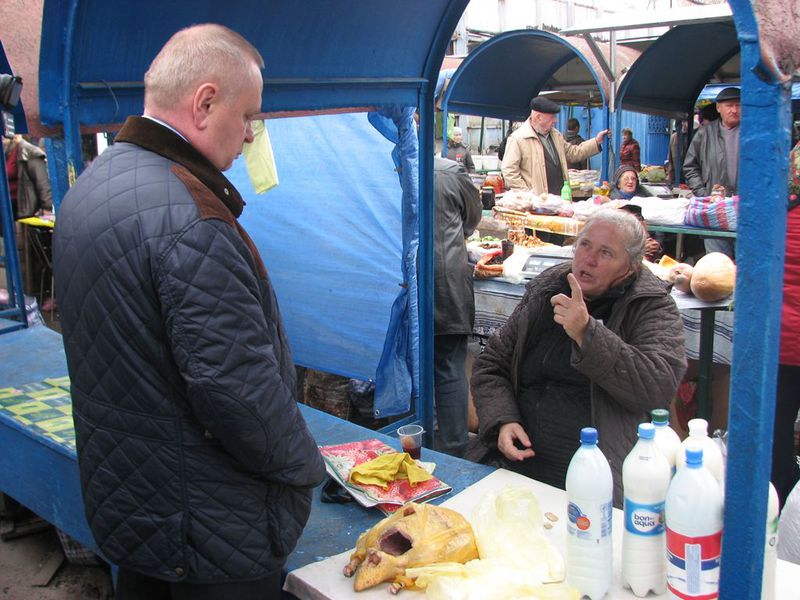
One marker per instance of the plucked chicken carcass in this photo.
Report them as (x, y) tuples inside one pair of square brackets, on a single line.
[(414, 536)]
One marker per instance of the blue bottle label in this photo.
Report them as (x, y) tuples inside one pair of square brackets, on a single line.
[(644, 519)]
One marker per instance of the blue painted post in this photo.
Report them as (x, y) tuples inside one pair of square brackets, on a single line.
[(56, 149), (424, 407), (763, 188)]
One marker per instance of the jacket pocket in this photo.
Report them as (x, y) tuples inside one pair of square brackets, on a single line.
[(287, 514)]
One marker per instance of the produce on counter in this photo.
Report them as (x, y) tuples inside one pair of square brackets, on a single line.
[(681, 276), (416, 535), (714, 277)]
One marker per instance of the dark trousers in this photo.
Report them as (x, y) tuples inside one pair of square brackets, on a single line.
[(135, 586), (785, 471), (451, 391)]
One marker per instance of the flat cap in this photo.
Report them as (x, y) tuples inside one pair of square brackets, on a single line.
[(729, 93), (543, 105)]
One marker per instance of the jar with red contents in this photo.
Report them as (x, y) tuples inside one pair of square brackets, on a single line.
[(495, 180)]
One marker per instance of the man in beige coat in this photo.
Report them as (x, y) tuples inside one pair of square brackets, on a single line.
[(536, 154)]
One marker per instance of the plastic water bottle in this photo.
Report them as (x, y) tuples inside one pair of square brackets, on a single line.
[(590, 496), (770, 547), (667, 440), (693, 512), (645, 478), (712, 457)]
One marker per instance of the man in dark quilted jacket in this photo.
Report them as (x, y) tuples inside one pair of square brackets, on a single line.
[(196, 465)]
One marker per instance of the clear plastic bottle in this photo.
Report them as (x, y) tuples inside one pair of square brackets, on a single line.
[(693, 512), (590, 494), (770, 547), (667, 440), (645, 479), (712, 457)]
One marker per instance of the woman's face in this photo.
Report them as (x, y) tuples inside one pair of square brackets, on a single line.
[(628, 181), (626, 137), (600, 259)]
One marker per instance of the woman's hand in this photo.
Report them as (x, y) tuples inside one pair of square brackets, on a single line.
[(570, 311), (509, 433)]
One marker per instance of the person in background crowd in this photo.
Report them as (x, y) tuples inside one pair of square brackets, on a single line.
[(713, 158), (457, 151), (629, 151), (671, 162), (626, 184), (196, 465), (536, 154), (785, 471), (597, 340), (28, 184), (501, 149), (458, 212), (573, 137), (707, 114)]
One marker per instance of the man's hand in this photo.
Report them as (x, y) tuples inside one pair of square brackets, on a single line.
[(599, 137), (570, 311), (509, 433)]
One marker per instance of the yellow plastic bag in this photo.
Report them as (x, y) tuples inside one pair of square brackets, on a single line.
[(259, 159)]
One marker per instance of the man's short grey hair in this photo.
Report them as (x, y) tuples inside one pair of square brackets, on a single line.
[(631, 231), (206, 52)]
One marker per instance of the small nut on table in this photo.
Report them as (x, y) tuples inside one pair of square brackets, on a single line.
[(548, 525), (551, 516)]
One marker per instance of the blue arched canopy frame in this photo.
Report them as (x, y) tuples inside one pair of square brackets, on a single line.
[(499, 78), (322, 55), (666, 80)]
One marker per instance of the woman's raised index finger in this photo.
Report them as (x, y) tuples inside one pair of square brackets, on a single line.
[(577, 293)]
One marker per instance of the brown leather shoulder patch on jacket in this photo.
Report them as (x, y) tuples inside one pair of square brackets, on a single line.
[(211, 207)]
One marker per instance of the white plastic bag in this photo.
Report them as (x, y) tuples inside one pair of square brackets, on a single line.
[(789, 527), (662, 211), (509, 528)]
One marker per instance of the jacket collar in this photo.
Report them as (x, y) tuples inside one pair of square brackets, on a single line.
[(156, 138)]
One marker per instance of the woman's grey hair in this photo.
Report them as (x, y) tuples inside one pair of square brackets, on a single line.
[(631, 232), (196, 54)]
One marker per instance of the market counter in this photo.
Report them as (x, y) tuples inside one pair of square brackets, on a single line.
[(38, 465), (324, 580)]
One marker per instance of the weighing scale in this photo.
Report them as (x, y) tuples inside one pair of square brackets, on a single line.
[(536, 263)]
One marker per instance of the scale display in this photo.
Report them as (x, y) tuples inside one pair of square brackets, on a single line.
[(537, 263)]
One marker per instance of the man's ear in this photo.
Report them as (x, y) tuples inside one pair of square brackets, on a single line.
[(204, 102)]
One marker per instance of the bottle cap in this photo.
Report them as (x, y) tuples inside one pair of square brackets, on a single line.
[(694, 455), (647, 431), (660, 416), (698, 428), (588, 435)]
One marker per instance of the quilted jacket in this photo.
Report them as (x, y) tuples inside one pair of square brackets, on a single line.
[(635, 362), (195, 462)]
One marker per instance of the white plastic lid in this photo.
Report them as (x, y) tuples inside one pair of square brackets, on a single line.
[(698, 428)]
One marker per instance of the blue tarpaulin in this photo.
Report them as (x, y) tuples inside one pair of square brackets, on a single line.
[(331, 237)]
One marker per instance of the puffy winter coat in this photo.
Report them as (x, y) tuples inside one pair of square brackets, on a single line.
[(458, 212), (635, 362), (195, 461)]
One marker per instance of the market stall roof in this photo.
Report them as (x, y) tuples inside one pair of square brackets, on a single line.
[(653, 85), (359, 55), (499, 78), (656, 18)]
